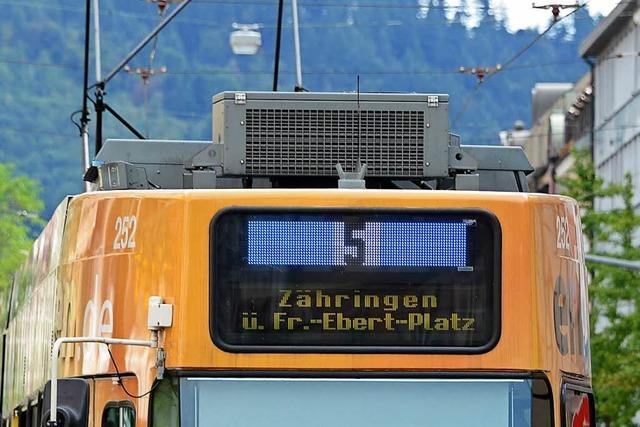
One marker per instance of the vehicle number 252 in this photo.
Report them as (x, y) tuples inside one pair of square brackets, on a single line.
[(125, 232), (562, 233)]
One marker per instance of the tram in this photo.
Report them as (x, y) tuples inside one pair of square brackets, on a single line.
[(324, 260)]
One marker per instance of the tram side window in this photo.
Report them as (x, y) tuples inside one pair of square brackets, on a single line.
[(119, 414), (35, 414), (30, 416)]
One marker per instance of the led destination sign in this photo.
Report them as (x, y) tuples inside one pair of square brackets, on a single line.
[(361, 279), (382, 243)]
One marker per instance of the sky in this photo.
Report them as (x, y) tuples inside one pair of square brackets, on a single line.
[(518, 14)]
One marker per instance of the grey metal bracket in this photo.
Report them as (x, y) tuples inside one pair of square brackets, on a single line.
[(462, 166), (405, 184), (459, 161), (352, 179), (122, 176), (500, 168), (204, 178), (210, 157), (160, 363), (467, 182), (203, 169)]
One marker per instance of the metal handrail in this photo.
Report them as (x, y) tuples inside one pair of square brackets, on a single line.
[(615, 262)]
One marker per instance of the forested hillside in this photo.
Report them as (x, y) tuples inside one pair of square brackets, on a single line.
[(393, 47)]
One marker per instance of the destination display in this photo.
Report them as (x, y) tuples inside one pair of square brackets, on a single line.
[(299, 243), (355, 280)]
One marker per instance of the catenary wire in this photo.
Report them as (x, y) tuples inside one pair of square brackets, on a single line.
[(316, 72), (506, 64)]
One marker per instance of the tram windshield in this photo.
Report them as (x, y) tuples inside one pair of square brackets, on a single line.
[(320, 402)]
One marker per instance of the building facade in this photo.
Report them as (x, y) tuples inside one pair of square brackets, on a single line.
[(578, 130), (561, 119), (613, 48)]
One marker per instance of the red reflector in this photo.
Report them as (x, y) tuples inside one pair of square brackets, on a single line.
[(582, 417)]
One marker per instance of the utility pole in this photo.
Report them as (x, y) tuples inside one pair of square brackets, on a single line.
[(96, 39), (296, 45), (98, 69), (276, 61), (84, 120)]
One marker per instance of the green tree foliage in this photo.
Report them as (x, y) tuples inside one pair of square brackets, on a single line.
[(20, 206), (614, 292)]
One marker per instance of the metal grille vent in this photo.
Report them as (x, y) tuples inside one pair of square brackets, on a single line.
[(311, 142)]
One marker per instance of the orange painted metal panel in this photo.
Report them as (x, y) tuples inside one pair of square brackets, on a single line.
[(171, 259)]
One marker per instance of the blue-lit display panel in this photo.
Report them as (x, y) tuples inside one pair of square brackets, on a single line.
[(299, 243)]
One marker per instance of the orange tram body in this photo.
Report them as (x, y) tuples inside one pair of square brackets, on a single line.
[(202, 286), (316, 346)]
